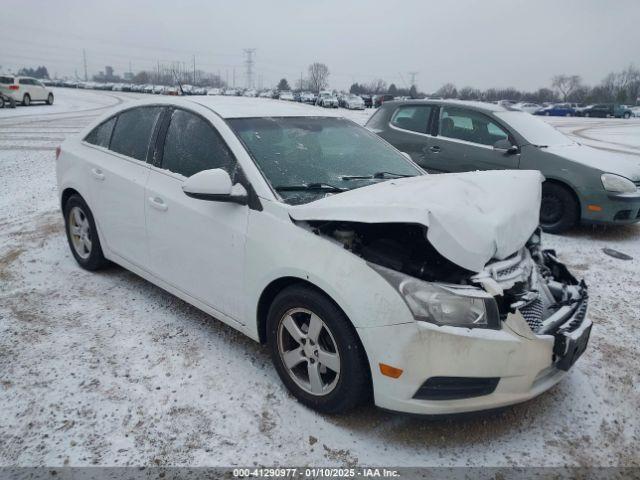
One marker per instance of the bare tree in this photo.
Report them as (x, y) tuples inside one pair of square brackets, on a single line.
[(448, 90), (318, 77), (566, 84), (377, 86)]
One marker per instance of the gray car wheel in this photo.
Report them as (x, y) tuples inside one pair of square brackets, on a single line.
[(559, 210), (26, 100)]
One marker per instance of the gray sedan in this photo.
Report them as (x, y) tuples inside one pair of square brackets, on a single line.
[(583, 185)]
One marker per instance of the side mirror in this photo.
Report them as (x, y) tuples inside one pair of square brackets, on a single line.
[(214, 185), (503, 145)]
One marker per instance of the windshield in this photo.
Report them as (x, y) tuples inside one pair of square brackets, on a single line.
[(535, 131), (297, 155)]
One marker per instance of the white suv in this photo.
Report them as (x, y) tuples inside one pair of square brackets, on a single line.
[(25, 90)]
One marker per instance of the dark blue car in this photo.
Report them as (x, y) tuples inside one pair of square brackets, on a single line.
[(557, 110)]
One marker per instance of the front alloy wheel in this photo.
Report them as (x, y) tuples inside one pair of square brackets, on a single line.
[(316, 350), (308, 351)]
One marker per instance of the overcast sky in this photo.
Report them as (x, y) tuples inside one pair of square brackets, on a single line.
[(488, 43)]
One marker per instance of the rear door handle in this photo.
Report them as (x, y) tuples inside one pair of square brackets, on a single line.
[(97, 173), (435, 149), (158, 204)]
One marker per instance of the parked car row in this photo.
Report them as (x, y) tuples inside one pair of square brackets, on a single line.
[(600, 110)]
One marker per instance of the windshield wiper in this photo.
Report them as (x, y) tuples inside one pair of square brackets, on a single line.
[(324, 187), (375, 175)]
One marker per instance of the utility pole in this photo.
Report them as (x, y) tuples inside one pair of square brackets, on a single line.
[(194, 69), (234, 77), (249, 66), (84, 61), (413, 78)]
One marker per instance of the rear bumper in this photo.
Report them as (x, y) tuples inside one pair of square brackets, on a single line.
[(510, 365)]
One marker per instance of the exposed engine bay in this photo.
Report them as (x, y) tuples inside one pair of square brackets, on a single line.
[(531, 281)]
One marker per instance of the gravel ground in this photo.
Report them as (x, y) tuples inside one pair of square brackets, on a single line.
[(107, 369)]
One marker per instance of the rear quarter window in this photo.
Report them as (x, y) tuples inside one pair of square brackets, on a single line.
[(101, 135), (6, 80)]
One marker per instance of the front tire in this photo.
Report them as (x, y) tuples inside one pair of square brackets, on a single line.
[(559, 209), (82, 234), (50, 99), (316, 351), (26, 100), (627, 115)]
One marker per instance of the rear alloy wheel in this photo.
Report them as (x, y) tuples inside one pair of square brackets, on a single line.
[(627, 115), (26, 100), (316, 351), (558, 210), (1, 101), (50, 99), (587, 114), (82, 234)]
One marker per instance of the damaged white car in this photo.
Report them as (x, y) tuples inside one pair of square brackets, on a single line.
[(365, 277)]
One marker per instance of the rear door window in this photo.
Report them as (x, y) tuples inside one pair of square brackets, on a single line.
[(193, 145), (414, 118), (132, 132), (470, 126), (101, 135), (6, 80)]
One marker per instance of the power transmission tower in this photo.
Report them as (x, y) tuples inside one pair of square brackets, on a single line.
[(84, 61), (413, 78), (249, 65)]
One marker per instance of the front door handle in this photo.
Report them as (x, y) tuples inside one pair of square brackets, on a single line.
[(434, 149), (158, 204), (97, 174)]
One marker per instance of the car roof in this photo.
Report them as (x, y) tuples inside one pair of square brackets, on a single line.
[(244, 107), (482, 106)]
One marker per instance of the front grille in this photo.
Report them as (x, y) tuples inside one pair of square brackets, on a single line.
[(532, 313), (578, 317), (507, 271)]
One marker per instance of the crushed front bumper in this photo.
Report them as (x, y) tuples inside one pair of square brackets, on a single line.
[(510, 365)]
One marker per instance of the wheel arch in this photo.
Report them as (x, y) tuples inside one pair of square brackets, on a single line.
[(269, 294), (570, 189), (66, 195)]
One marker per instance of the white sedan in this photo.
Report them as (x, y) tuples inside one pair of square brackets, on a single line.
[(365, 277)]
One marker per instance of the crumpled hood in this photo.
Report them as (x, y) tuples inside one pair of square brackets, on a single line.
[(470, 217)]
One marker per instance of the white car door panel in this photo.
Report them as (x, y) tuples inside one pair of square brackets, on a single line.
[(119, 176), (197, 246)]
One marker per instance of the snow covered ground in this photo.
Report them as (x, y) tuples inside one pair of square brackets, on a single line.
[(107, 369)]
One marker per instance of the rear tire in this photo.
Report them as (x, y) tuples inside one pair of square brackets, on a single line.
[(559, 209), (82, 234), (627, 115), (26, 100), (50, 99), (1, 102), (337, 342)]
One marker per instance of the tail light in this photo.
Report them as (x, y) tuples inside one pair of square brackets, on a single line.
[(14, 87), (58, 150)]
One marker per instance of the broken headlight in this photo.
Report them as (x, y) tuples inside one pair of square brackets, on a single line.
[(441, 304)]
